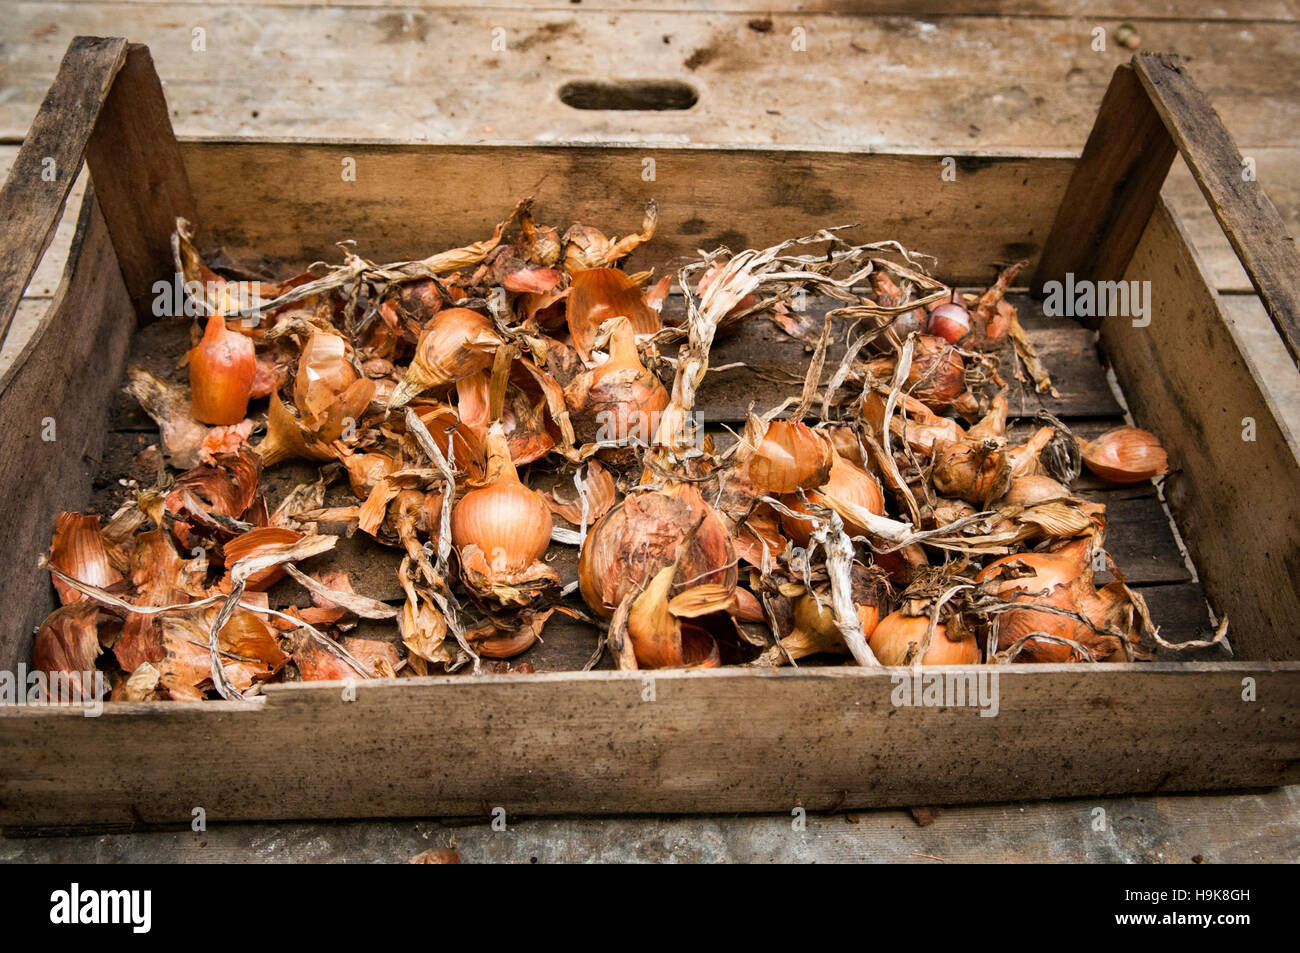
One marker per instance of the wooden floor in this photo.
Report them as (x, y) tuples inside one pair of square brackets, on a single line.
[(1017, 76)]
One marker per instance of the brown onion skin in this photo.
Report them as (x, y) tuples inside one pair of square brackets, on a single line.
[(846, 481), (642, 535), (504, 518), (622, 395), (938, 374), (896, 632), (254, 541), (1060, 579)]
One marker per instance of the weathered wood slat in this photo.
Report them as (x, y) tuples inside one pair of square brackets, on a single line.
[(53, 434), (1249, 220), (139, 178), (1191, 382), (290, 201), (1161, 9), (47, 165), (718, 741), (992, 82), (1113, 190)]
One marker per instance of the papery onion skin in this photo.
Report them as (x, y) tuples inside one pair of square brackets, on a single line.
[(898, 637), (78, 550), (222, 368), (253, 542)]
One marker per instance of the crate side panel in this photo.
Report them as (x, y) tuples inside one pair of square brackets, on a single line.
[(1234, 481), (608, 743), (54, 405), (294, 201)]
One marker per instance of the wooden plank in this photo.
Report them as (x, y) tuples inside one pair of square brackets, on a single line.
[(58, 387), (717, 741), (50, 270), (1097, 9), (1113, 190), (1278, 172), (289, 201), (139, 177), (1192, 382), (47, 165), (1248, 217), (990, 83)]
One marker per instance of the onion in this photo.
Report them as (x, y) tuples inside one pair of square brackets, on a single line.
[(644, 533), (898, 638), (222, 368), (456, 343), (791, 456), (1125, 455), (950, 320)]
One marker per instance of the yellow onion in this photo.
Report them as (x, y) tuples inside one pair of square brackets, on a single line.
[(1059, 579), (1125, 455), (938, 373), (502, 530), (898, 638), (972, 470), (847, 483), (1033, 489), (1025, 459), (455, 343), (78, 550), (645, 532), (222, 367), (815, 630), (791, 456), (599, 294), (618, 400)]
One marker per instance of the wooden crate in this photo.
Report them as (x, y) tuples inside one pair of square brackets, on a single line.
[(563, 741)]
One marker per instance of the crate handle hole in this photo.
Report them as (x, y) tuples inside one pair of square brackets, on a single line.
[(633, 94)]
